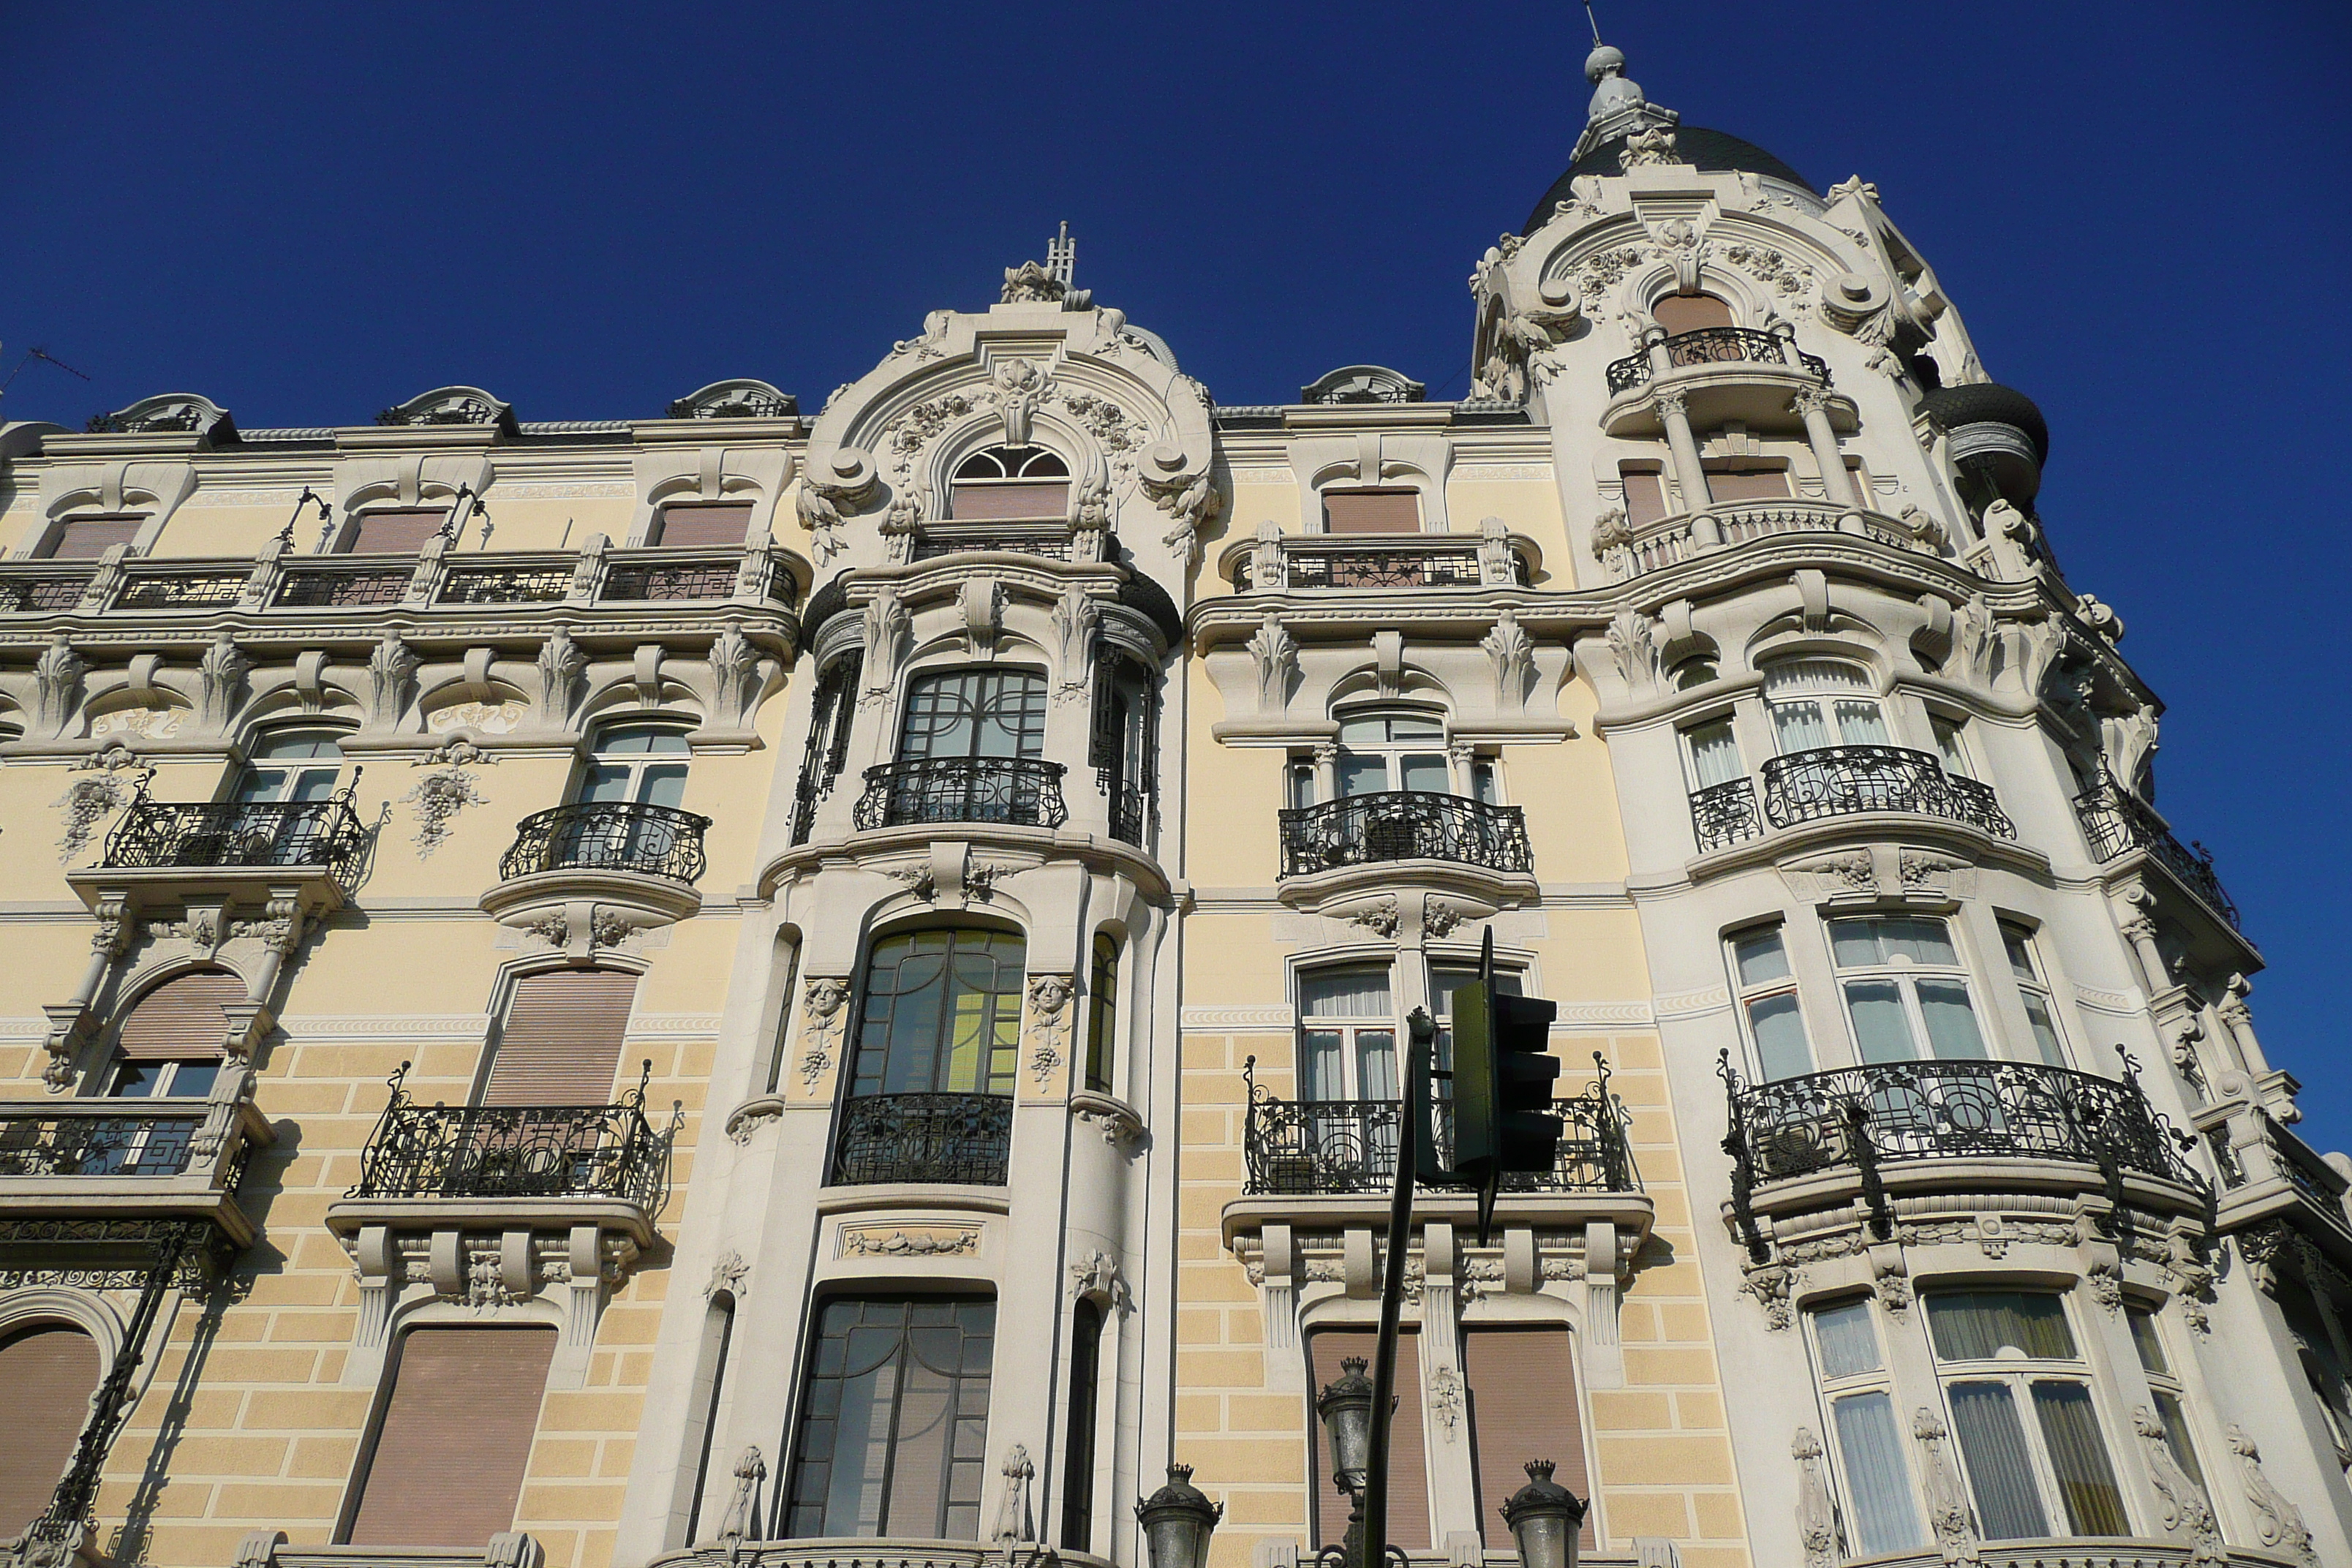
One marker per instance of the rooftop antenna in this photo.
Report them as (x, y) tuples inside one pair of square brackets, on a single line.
[(1594, 20), (45, 357), (1062, 254)]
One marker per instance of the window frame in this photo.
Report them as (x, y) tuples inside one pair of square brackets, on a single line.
[(2167, 1394), (1350, 1028), (1419, 511), (257, 761), (1392, 752), (985, 711), (2021, 1374), (1745, 996), (1102, 1013), (1831, 1389), (1905, 975), (1013, 476), (2031, 979), (942, 1042), (344, 537), (54, 534), (1794, 683), (1686, 746), (637, 766)]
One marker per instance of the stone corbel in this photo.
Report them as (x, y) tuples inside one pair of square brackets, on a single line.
[(1388, 657), (71, 1023), (1359, 1271), (1286, 1371), (377, 1256), (1604, 1351), (1522, 1270), (980, 602), (584, 1304)]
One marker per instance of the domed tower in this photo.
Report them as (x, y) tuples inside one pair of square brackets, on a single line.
[(1997, 1113)]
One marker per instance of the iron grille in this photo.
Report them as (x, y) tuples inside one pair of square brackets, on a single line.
[(2116, 822), (1895, 1111), (339, 588), (1842, 781), (965, 1138), (1402, 568), (1403, 825), (1715, 345), (518, 1151), (1022, 791), (1052, 543), (57, 590), (507, 585), (1725, 813), (180, 590), (669, 581), (1131, 810), (608, 835), (156, 834), (1302, 1148), (38, 1141)]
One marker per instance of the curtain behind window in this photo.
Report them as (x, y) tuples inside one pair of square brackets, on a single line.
[(1885, 1518), (894, 1421), (2000, 1471)]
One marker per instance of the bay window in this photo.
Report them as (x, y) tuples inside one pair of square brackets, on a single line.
[(1906, 991), (1818, 702)]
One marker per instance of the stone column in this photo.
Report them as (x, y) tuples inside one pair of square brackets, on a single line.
[(1812, 403), (1690, 477)]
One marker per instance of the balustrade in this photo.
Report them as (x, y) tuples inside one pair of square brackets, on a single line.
[(1717, 345), (1018, 790), (518, 1151), (1311, 1147), (1403, 825), (156, 834), (964, 1139), (1844, 780)]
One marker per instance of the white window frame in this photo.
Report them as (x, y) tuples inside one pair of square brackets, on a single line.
[(635, 764), (1878, 1380), (2032, 981), (1390, 751), (1948, 735), (1905, 974), (2020, 1372), (1685, 744), (1746, 994), (1348, 1028), (1822, 684), (2164, 1384), (295, 768)]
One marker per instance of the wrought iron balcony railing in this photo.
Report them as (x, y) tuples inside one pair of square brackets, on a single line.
[(608, 835), (963, 1139), (1131, 813), (2118, 822), (1310, 1147), (1048, 539), (1717, 345), (1021, 791), (1844, 780), (1403, 825), (155, 835), (518, 1151), (1890, 1113), (100, 1138)]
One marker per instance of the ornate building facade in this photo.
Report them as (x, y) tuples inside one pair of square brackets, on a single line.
[(752, 987)]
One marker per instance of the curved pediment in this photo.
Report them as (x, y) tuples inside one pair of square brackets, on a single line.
[(739, 399), (1363, 383), (171, 413), (452, 406)]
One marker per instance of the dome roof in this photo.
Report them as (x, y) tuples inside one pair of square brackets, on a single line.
[(1712, 150), (1989, 402)]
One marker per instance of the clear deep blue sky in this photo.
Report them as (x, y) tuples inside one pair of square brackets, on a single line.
[(311, 212)]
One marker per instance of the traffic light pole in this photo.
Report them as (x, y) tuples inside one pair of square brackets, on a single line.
[(1410, 1129)]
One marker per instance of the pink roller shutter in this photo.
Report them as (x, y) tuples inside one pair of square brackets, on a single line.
[(704, 525), (1645, 495), (85, 538), (1680, 313), (449, 1458), (562, 1039), (999, 501), (1408, 1453), (396, 532), (1523, 1407), (180, 1018), (1371, 512), (49, 1372)]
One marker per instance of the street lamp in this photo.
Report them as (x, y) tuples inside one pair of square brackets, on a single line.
[(1545, 1519), (1346, 1409), (1177, 1521)]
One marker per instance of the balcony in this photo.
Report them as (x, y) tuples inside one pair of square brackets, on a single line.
[(1404, 824), (1629, 552), (527, 1155), (1050, 539), (2118, 822), (965, 1139), (608, 835), (1717, 345), (1313, 1147), (2270, 1177), (156, 834), (1844, 780), (160, 1159), (1867, 1118), (1293, 562), (278, 583), (1022, 792)]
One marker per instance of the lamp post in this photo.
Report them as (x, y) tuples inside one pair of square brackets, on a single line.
[(1177, 1521), (1545, 1519), (1345, 1408)]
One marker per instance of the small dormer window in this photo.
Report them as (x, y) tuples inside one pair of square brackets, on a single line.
[(1027, 484)]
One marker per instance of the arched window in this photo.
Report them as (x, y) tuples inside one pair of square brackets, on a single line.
[(49, 1370), (940, 1014), (1008, 483), (1680, 313), (169, 1046), (1102, 1015), (292, 765), (1820, 702)]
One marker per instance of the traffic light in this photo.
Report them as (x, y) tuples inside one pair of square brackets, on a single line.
[(1503, 1073)]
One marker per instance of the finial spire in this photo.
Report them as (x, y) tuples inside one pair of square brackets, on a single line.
[(1618, 107), (1062, 254)]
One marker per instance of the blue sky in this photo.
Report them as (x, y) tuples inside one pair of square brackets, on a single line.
[(309, 212)]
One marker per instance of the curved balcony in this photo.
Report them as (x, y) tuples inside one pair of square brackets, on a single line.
[(960, 1139), (1892, 1112), (1404, 824), (608, 835), (1290, 562), (2118, 822), (1717, 345), (1844, 780), (1024, 792), (1629, 552)]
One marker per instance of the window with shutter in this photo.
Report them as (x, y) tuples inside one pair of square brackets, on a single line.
[(86, 538), (1010, 484), (1408, 1447), (49, 1372), (180, 1020), (562, 1039), (1523, 1406), (394, 532), (1645, 495), (1371, 512), (1748, 482), (1680, 313), (455, 1437), (703, 525)]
